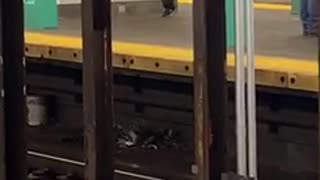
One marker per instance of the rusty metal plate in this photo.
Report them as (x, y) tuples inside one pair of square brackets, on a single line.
[(263, 77), (35, 50), (271, 78), (303, 82), (174, 67)]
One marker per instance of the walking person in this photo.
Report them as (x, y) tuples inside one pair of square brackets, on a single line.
[(169, 7), (310, 16)]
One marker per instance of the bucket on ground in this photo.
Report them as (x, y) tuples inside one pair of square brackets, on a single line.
[(37, 110)]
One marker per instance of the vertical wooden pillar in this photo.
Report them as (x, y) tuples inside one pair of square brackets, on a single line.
[(318, 6), (318, 164), (209, 86), (12, 92), (97, 89), (2, 128)]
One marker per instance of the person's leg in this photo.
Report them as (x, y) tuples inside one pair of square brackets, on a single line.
[(314, 16), (304, 15), (169, 6)]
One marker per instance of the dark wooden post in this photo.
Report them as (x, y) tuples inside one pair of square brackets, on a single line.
[(209, 86), (97, 89), (12, 92), (318, 164), (2, 124)]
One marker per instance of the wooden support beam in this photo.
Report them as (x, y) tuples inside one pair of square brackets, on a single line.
[(2, 123), (12, 92), (209, 29), (97, 89), (318, 165), (318, 6)]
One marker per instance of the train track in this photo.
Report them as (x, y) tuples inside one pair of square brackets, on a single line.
[(66, 161), (287, 120)]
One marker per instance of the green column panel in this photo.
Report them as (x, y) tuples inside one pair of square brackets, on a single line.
[(40, 14), (230, 10), (295, 4)]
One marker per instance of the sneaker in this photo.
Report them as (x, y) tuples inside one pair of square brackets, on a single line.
[(313, 34), (168, 12), (310, 33)]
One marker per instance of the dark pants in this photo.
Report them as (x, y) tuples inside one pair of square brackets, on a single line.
[(310, 15), (168, 4)]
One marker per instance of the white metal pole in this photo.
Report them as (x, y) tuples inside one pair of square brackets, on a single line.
[(240, 91), (251, 91)]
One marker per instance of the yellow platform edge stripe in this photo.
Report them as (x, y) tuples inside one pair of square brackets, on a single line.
[(269, 6), (263, 6), (277, 64)]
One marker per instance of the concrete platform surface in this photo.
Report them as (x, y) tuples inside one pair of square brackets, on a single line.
[(284, 58), (277, 32)]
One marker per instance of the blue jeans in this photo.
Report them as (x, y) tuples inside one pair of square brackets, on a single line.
[(310, 15)]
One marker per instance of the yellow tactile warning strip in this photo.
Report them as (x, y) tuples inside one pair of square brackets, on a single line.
[(266, 6), (283, 72), (269, 6)]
